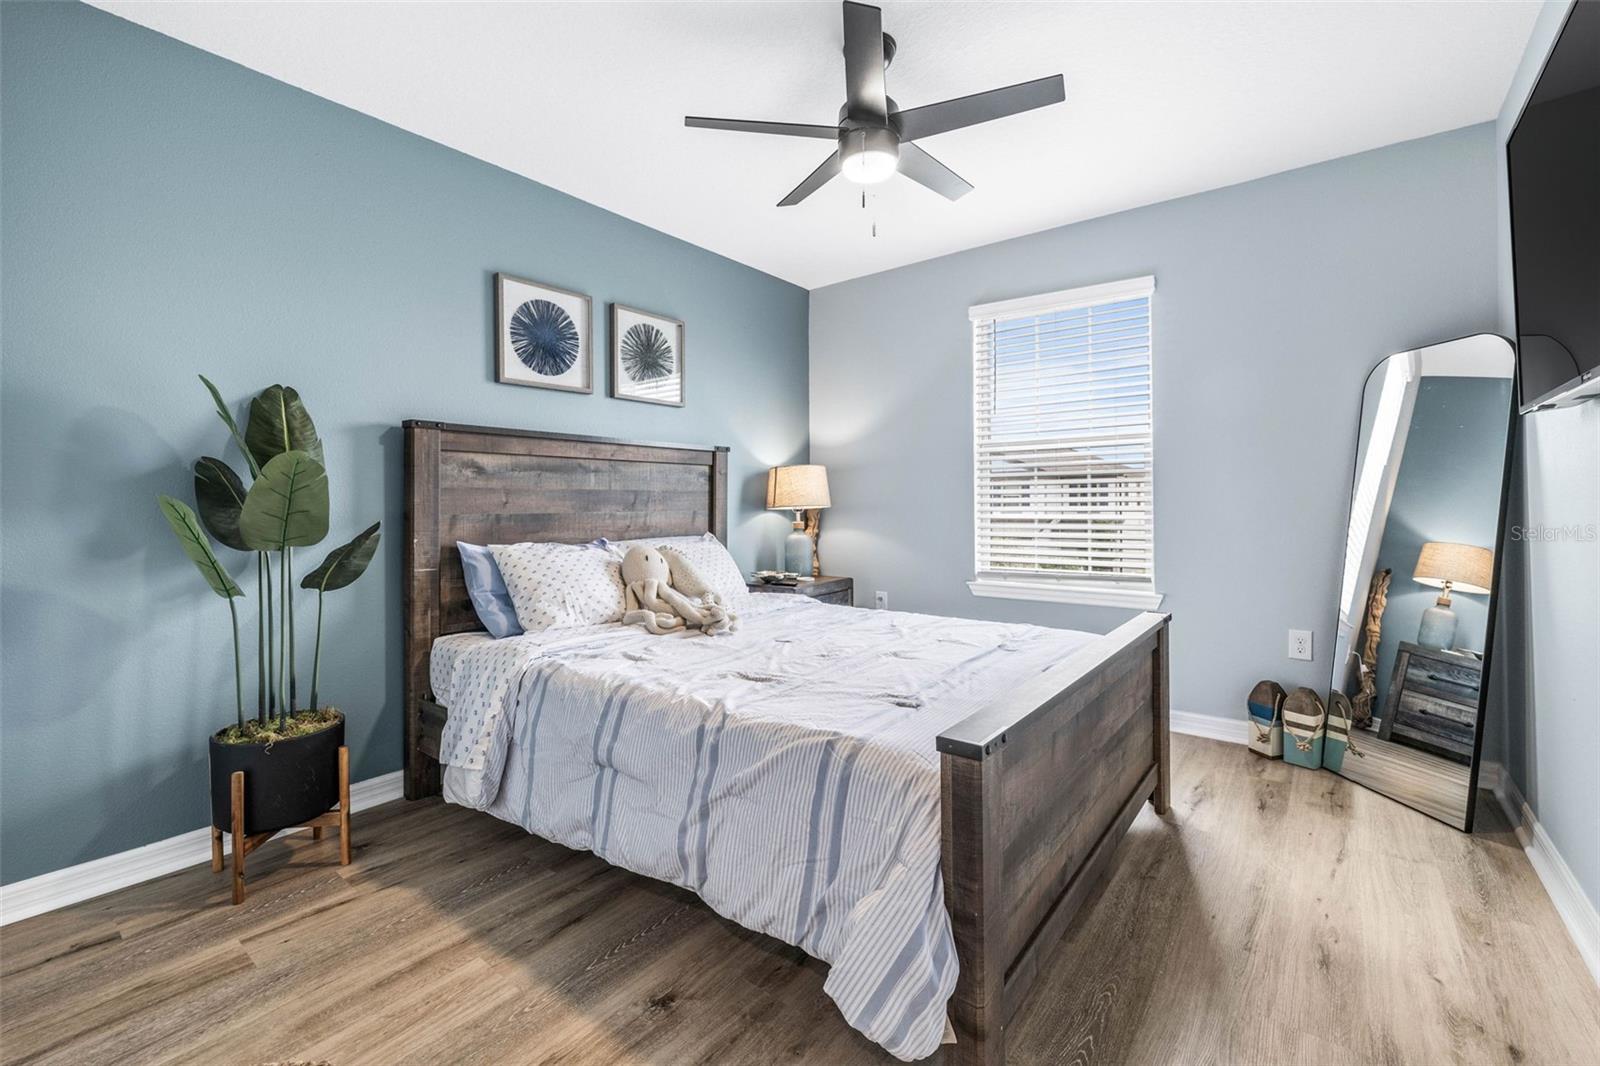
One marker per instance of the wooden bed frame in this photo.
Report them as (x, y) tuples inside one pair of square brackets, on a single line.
[(1038, 788)]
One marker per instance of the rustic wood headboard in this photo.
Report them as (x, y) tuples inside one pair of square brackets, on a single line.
[(484, 485)]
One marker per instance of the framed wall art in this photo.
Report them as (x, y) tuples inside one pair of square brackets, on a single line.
[(646, 356), (543, 335)]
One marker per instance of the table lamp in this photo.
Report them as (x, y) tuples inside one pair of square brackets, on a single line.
[(797, 489), (1449, 568)]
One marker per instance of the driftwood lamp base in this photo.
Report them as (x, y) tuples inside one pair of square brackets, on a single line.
[(244, 844)]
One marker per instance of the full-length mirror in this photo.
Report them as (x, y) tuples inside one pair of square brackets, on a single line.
[(1416, 602)]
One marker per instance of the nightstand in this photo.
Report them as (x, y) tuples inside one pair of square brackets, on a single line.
[(1432, 703), (840, 590)]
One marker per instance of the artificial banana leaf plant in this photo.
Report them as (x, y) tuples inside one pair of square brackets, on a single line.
[(195, 545), (220, 512), (342, 566), (286, 506)]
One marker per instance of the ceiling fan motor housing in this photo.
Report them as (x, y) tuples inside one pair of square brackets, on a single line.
[(849, 121)]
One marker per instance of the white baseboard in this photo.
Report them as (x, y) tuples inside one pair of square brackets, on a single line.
[(61, 888), (1210, 726), (1577, 912)]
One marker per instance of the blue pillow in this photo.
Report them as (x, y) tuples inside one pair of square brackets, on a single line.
[(488, 591)]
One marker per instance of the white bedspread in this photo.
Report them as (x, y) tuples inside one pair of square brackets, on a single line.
[(786, 773)]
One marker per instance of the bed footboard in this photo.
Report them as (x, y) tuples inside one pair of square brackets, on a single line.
[(1038, 790)]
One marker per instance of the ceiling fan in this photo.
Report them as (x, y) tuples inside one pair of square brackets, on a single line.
[(874, 136)]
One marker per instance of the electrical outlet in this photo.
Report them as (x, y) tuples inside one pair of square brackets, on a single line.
[(880, 600), (1300, 644)]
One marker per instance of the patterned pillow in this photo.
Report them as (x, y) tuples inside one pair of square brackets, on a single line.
[(558, 586), (709, 559), (487, 590)]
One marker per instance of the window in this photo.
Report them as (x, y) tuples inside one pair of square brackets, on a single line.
[(1063, 479)]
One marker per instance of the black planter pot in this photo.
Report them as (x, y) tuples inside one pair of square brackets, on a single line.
[(285, 783)]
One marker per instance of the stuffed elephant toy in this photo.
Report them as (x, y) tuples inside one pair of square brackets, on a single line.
[(664, 594)]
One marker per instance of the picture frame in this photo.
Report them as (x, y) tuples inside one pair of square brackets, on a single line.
[(544, 335), (647, 356)]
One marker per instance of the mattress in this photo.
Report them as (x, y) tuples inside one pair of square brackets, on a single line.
[(786, 773)]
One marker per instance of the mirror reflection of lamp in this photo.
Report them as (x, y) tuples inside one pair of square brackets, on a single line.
[(1449, 568)]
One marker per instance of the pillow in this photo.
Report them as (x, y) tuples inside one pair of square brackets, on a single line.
[(559, 586), (487, 589), (709, 559)]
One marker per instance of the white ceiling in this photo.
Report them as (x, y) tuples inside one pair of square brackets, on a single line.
[(1163, 100)]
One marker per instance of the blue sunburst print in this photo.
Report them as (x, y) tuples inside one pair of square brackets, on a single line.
[(544, 338)]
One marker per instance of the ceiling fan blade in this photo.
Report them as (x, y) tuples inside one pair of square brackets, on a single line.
[(816, 180), (980, 107), (863, 61), (745, 125), (923, 169)]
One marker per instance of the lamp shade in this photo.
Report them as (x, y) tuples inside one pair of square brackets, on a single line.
[(795, 488), (1467, 567)]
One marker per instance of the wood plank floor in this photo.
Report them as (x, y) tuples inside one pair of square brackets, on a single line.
[(1276, 916)]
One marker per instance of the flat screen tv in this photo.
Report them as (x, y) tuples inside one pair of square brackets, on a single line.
[(1553, 167)]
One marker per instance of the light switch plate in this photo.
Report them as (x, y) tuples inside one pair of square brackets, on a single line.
[(1300, 644)]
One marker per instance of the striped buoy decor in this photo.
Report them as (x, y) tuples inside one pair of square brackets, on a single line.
[(1341, 717), (1305, 723), (1266, 719)]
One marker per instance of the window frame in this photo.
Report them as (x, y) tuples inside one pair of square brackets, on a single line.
[(1138, 594)]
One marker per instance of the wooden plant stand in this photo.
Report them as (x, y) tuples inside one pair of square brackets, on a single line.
[(244, 844)]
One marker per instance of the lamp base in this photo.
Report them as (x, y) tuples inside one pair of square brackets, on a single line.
[(1438, 629), (797, 553)]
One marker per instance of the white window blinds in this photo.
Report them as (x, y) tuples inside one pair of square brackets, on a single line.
[(1062, 438)]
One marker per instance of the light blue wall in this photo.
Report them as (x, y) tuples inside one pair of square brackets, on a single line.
[(1448, 489), (166, 212), (1273, 300), (1550, 636)]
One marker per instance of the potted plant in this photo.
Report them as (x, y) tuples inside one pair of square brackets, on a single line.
[(289, 753)]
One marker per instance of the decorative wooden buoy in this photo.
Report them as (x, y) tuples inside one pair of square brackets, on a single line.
[(1341, 716), (1266, 719), (1305, 722)]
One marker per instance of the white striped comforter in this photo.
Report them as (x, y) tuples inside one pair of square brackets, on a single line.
[(786, 773)]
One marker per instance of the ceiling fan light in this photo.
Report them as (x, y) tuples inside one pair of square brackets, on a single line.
[(868, 156)]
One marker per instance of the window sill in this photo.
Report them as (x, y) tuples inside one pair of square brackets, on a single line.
[(1086, 593)]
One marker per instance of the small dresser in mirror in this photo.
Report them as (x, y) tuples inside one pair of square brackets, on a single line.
[(1420, 568)]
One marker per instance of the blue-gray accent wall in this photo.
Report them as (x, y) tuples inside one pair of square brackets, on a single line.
[(1274, 299), (166, 212)]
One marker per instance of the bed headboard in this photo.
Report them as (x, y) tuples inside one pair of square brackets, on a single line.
[(485, 485)]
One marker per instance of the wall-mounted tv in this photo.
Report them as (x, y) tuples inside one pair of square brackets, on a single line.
[(1553, 166)]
